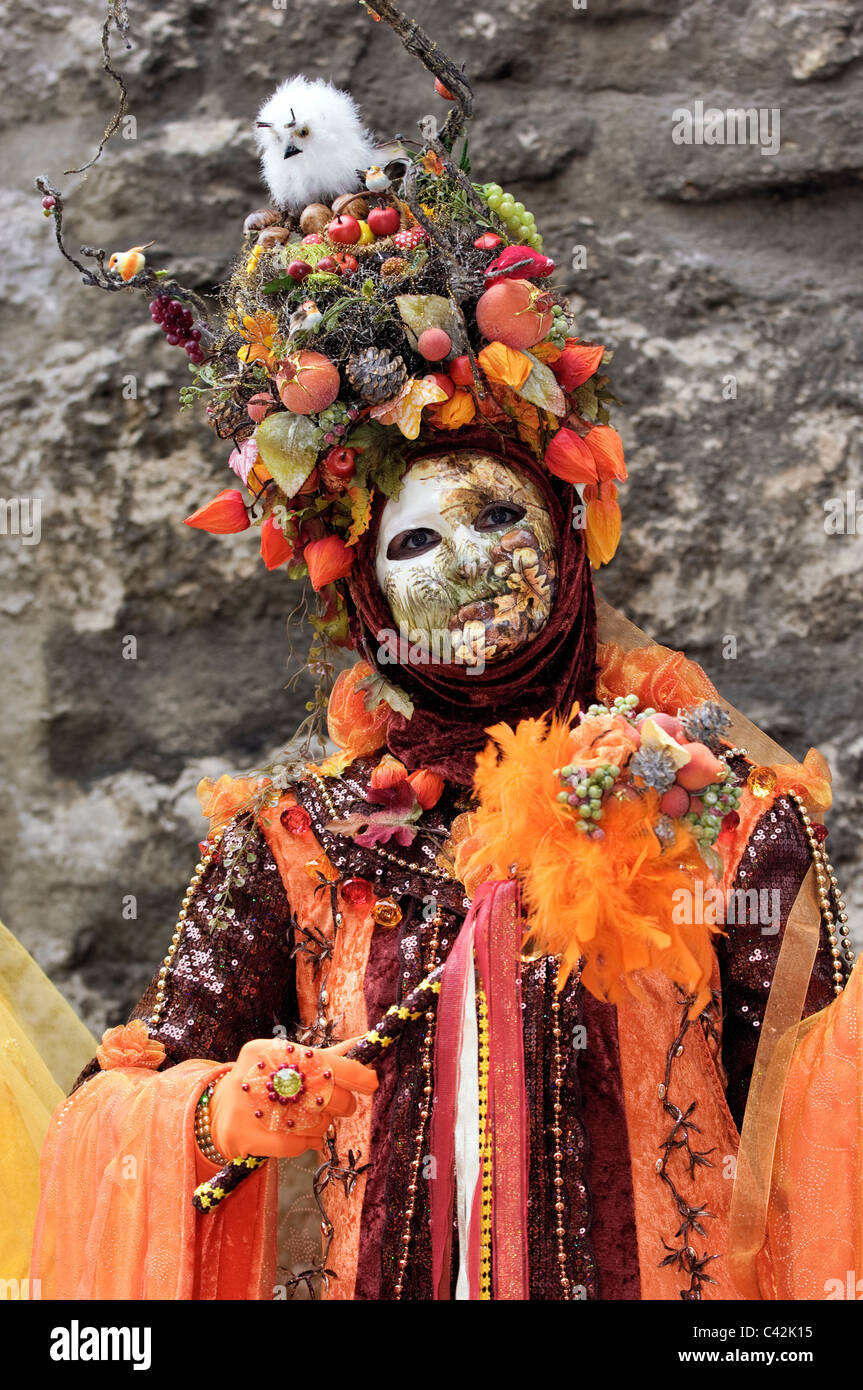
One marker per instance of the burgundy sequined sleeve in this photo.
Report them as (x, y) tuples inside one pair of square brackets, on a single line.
[(771, 871), (229, 984)]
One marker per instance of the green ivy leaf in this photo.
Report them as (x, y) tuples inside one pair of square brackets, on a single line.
[(381, 464)]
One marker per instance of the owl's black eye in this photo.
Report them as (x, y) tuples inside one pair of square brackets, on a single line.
[(496, 515), (407, 544)]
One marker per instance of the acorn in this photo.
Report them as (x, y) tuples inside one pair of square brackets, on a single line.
[(315, 217), (261, 218), (351, 204), (273, 236)]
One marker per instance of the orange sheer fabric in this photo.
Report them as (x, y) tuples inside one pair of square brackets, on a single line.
[(116, 1221), (814, 1247), (347, 970), (660, 677)]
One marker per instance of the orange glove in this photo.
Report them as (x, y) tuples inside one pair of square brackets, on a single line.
[(279, 1098)]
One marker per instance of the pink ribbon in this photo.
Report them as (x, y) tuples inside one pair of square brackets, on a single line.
[(493, 928)]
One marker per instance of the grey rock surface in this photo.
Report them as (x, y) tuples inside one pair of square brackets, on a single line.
[(726, 280)]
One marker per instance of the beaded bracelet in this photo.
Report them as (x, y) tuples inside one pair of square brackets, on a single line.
[(202, 1125)]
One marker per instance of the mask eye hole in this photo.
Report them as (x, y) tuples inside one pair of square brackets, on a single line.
[(497, 515), (408, 544)]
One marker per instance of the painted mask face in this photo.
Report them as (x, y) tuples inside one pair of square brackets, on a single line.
[(465, 557)]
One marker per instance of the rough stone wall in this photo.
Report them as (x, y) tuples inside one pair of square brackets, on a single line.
[(727, 280)]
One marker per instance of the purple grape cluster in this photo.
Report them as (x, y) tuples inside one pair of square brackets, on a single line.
[(176, 321)]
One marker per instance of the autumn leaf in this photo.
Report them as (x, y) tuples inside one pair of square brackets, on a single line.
[(395, 822), (377, 689), (361, 512), (542, 388)]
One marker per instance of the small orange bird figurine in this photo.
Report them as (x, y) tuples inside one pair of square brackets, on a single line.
[(128, 264)]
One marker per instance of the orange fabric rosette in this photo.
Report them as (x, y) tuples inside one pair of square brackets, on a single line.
[(602, 739), (223, 798), (130, 1045), (664, 679)]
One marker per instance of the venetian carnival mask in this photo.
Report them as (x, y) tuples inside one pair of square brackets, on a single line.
[(466, 559)]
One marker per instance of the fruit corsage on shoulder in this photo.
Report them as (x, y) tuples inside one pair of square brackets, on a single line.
[(613, 823)]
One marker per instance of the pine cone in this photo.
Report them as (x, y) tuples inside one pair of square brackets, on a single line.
[(376, 374)]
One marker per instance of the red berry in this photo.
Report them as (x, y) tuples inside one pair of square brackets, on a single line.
[(461, 371), (384, 221), (298, 270), (348, 264), (433, 344), (443, 381), (487, 242), (48, 203), (443, 91)]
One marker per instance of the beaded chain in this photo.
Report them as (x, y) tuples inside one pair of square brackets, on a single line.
[(485, 1151), (557, 1134), (828, 891), (427, 870), (425, 1111), (828, 897), (200, 869)]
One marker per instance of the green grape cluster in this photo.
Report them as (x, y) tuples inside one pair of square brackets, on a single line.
[(717, 800), (560, 327), (586, 790), (520, 223), (622, 704)]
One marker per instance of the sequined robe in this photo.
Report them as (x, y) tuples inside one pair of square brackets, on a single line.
[(650, 1101)]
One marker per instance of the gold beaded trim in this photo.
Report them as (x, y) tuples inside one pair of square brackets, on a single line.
[(485, 1151), (828, 894), (200, 869), (425, 1112), (828, 888), (426, 870), (557, 1134)]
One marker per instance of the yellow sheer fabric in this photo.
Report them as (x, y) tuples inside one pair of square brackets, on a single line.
[(43, 1046)]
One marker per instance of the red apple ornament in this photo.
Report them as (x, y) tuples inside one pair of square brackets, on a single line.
[(384, 221), (344, 230)]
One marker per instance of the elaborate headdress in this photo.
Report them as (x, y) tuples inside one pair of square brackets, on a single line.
[(415, 307)]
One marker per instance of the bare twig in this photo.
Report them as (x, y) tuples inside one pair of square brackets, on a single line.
[(117, 18), (417, 42)]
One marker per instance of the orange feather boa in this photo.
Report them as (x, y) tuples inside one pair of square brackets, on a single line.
[(611, 900)]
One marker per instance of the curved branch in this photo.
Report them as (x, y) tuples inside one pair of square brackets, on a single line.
[(417, 42)]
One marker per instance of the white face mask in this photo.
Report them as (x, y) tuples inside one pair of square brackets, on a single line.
[(465, 556)]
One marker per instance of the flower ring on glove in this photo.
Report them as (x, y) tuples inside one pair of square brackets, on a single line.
[(295, 1093)]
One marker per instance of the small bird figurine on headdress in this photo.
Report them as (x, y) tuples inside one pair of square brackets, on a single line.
[(312, 143)]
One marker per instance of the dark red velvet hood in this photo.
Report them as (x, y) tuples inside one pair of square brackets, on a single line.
[(452, 708)]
